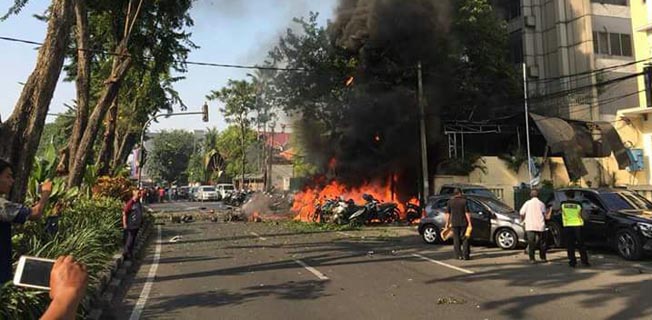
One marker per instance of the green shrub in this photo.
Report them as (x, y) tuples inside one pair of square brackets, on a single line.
[(89, 230)]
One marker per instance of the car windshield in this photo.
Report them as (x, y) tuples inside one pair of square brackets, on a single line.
[(208, 189), (638, 201), (480, 192), (616, 201), (229, 187), (498, 206)]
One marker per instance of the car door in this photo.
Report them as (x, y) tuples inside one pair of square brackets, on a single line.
[(481, 220), (595, 227)]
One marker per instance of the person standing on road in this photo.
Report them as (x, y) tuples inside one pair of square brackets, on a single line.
[(571, 213), (459, 219), (16, 213), (161, 194), (132, 218), (533, 213)]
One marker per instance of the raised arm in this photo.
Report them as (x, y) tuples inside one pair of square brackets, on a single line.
[(39, 207)]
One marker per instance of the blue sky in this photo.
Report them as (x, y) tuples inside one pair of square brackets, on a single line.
[(227, 31)]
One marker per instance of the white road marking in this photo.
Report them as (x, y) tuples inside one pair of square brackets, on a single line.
[(345, 234), (443, 264), (314, 271), (140, 305), (257, 235)]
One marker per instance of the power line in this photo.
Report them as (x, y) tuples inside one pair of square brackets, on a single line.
[(590, 73), (198, 63)]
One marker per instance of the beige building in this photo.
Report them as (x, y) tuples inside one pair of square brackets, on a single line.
[(562, 43), (635, 124)]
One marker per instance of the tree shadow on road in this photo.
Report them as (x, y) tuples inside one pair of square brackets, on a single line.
[(292, 290), (558, 278)]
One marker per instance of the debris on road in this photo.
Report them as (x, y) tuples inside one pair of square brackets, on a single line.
[(175, 239), (450, 300)]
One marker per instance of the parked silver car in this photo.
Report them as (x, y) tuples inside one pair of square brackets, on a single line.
[(493, 221)]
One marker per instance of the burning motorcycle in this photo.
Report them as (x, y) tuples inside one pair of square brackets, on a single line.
[(343, 211), (413, 212), (375, 211)]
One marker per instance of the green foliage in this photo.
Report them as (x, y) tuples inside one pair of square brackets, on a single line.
[(57, 132), (514, 161), (89, 230), (304, 131), (462, 167), (168, 160), (311, 227), (44, 168), (318, 92), (239, 98), (15, 9), (483, 76), (230, 145)]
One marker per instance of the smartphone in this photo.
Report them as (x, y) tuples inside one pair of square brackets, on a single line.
[(33, 272)]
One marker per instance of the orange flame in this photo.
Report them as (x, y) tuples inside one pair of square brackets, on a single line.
[(305, 202), (255, 217)]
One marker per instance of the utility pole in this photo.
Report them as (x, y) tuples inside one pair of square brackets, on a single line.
[(271, 156), (424, 144), (527, 124)]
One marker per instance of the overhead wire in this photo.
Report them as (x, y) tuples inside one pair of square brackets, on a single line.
[(512, 102)]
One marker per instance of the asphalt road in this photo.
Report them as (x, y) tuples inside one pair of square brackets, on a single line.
[(267, 271), (187, 206)]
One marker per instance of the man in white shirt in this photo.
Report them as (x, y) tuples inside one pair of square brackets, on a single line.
[(534, 214)]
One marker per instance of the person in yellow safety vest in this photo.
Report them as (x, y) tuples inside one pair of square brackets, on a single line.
[(571, 213)]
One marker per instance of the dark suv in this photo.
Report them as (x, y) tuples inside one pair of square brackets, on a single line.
[(620, 219)]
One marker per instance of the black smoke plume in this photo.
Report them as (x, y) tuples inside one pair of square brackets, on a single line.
[(379, 134)]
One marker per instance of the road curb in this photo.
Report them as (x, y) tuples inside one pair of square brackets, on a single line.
[(111, 280)]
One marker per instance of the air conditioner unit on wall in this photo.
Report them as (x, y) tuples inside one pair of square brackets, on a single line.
[(533, 71), (530, 21), (636, 159)]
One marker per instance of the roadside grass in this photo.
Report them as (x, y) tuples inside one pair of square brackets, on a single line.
[(89, 230), (313, 227)]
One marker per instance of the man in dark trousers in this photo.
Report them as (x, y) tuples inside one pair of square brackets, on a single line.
[(571, 213), (132, 218), (459, 218)]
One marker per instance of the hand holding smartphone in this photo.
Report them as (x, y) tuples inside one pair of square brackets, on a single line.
[(33, 272)]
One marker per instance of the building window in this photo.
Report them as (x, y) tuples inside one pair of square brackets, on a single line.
[(615, 2), (626, 41), (513, 9), (615, 44)]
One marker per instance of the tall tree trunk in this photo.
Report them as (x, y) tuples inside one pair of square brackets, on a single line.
[(83, 79), (104, 158), (121, 65), (125, 148), (21, 133)]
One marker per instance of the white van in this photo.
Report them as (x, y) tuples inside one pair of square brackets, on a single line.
[(224, 189), (207, 193)]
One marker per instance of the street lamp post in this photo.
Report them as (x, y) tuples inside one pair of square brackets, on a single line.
[(204, 113)]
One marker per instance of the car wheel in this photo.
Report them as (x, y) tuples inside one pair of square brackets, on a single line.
[(555, 234), (506, 239), (628, 245), (430, 234)]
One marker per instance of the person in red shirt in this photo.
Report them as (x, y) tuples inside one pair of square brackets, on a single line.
[(132, 218), (161, 194)]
